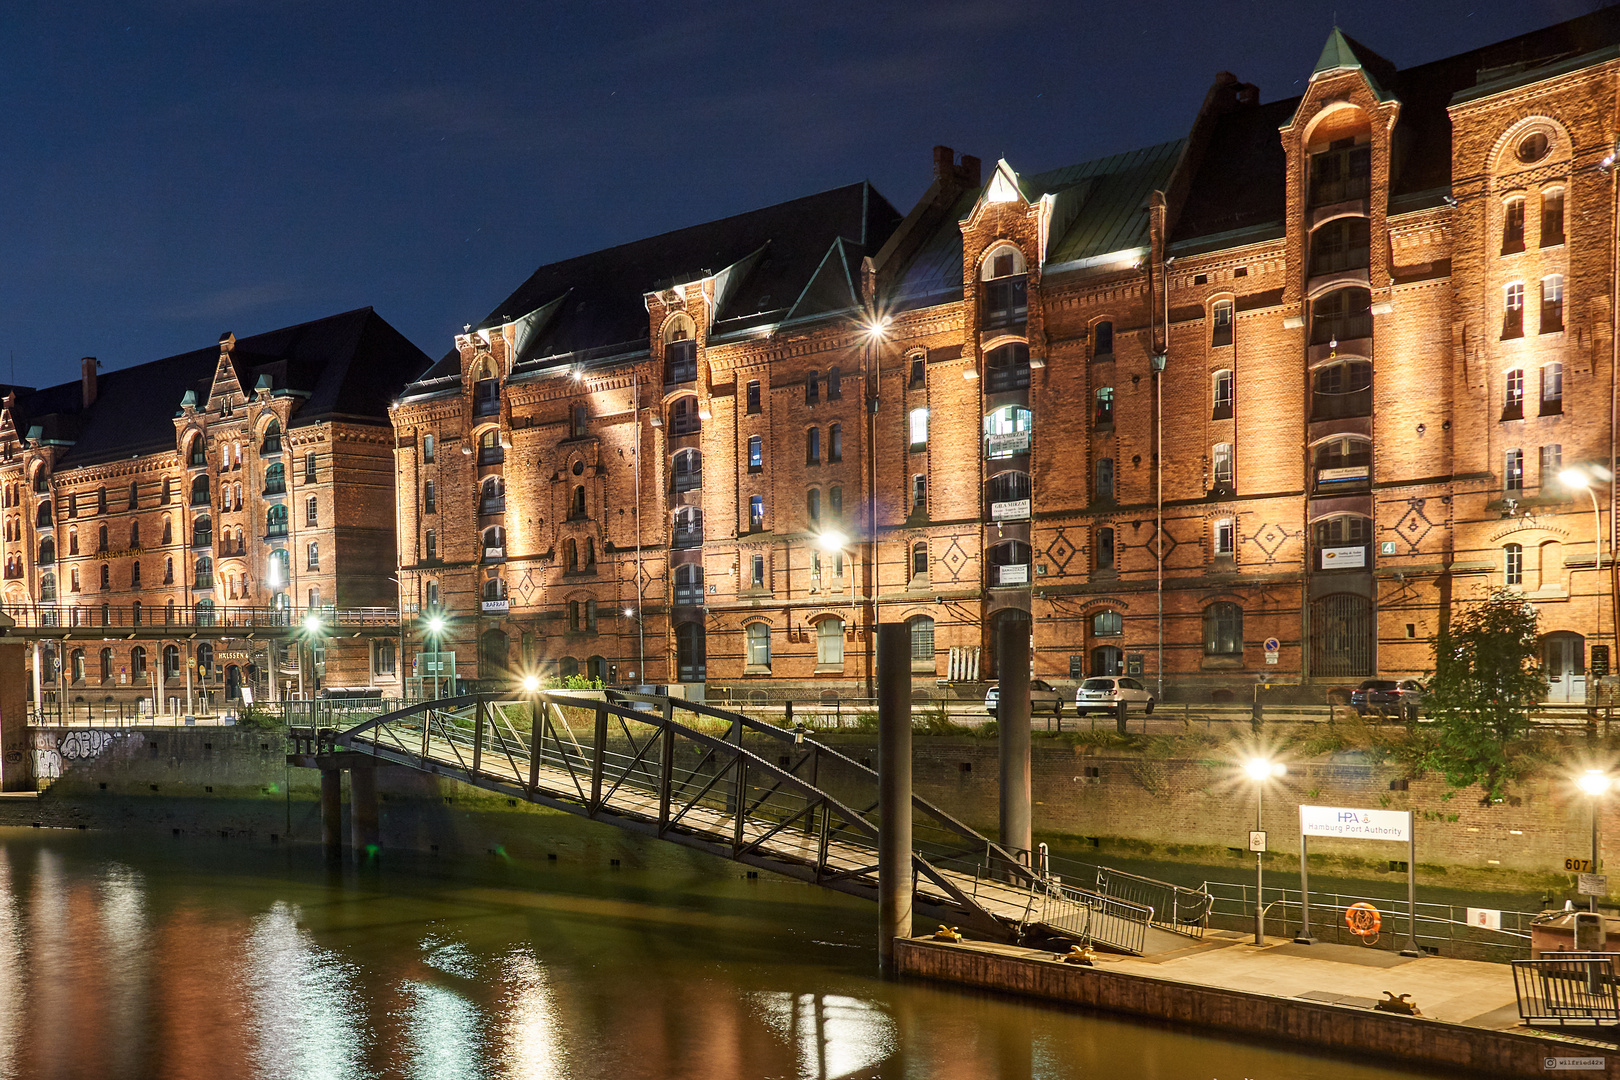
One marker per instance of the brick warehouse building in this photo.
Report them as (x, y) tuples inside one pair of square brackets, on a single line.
[(167, 527), (1310, 373)]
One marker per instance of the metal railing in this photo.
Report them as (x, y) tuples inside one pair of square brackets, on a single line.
[(1568, 989), (68, 616), (1175, 907), (1105, 920), (1440, 928)]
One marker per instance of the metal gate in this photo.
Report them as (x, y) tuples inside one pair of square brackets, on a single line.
[(1341, 636)]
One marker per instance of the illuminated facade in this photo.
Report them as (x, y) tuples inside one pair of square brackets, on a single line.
[(1260, 403)]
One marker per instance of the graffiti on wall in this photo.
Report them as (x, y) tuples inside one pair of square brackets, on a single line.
[(51, 748)]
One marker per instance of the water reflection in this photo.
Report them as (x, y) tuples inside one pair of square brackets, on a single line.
[(119, 963)]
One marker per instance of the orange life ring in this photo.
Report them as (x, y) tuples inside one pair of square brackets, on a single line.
[(1363, 919)]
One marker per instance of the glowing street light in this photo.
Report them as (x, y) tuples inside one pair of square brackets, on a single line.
[(1596, 783), (1260, 770), (531, 684)]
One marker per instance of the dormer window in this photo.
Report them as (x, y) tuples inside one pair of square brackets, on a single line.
[(1004, 289), (486, 390)]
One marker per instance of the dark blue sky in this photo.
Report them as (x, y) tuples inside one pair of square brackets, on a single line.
[(177, 168)]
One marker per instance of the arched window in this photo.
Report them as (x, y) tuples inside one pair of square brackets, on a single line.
[(106, 577), (919, 559), (1343, 463), (241, 542), (812, 446), (835, 443), (1220, 318), (137, 661), (202, 533), (812, 506), (486, 390), (44, 518), (134, 534), (272, 437), (1006, 368), (683, 416), (1008, 495), (275, 479), (1102, 339), (1342, 390), (1223, 629), (47, 551), (76, 665), (495, 589), (494, 544), (1107, 624), (312, 555), (1008, 563), (275, 520), (1007, 432), (689, 584), (168, 490), (1513, 225), (1341, 315), (1340, 245), (1221, 469), (830, 643), (135, 576), (199, 490), (490, 451), (576, 508), (492, 496), (570, 554), (590, 552), (171, 659), (688, 471), (922, 641), (1342, 541), (691, 660), (917, 429), (168, 571), (1513, 310), (204, 572), (196, 453), (680, 350), (1552, 304), (1004, 288), (106, 665), (688, 526), (101, 539), (759, 645), (279, 570)]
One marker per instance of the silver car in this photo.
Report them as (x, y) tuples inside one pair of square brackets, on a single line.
[(1104, 693), (1043, 698)]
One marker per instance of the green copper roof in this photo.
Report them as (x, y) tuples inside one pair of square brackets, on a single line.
[(1344, 53), (1337, 54)]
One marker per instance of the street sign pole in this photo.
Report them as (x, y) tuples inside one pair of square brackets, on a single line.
[(1411, 886)]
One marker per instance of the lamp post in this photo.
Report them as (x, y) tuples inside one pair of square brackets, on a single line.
[(434, 632), (1586, 479), (876, 328), (1260, 770), (1595, 783), (313, 628)]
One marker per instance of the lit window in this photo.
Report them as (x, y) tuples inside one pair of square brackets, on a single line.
[(1513, 311), (919, 428), (830, 643), (1103, 415), (1552, 217), (1222, 396), (1225, 537), (756, 453), (1221, 323), (1552, 389), (1221, 457), (756, 512), (1552, 304), (1512, 226)]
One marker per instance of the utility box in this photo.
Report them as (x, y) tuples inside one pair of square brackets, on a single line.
[(1590, 935)]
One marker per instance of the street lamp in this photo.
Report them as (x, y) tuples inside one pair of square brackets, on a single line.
[(1595, 782), (1579, 478), (313, 629), (434, 632), (1260, 770)]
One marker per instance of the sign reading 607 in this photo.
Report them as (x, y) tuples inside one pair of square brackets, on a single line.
[(1578, 865)]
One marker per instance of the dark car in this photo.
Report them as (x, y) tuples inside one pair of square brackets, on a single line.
[(1389, 697)]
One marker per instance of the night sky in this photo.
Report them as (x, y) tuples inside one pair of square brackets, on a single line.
[(174, 169)]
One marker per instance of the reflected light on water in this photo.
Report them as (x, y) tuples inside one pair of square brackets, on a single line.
[(442, 1034), (13, 976), (306, 1017), (833, 1035), (532, 1043)]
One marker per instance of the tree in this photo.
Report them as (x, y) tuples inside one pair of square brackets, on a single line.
[(1487, 677)]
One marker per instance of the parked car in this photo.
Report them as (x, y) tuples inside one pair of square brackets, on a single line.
[(1389, 697), (1043, 698), (1103, 694)]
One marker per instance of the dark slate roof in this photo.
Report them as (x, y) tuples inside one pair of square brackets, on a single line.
[(1238, 190), (345, 366), (799, 259), (1111, 196)]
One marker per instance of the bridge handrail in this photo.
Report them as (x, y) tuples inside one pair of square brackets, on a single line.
[(992, 849)]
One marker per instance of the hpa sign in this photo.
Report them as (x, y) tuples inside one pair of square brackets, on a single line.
[(1351, 824)]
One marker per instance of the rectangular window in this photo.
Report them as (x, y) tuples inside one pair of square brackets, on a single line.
[(311, 512), (919, 494), (753, 398), (1552, 463), (310, 474), (1513, 564), (756, 453), (1552, 304), (427, 448), (835, 500), (1221, 457), (1552, 389), (1552, 217), (759, 645), (1221, 332), (835, 443), (812, 505), (812, 446), (756, 512), (385, 662), (1513, 472), (430, 501), (835, 385), (1103, 343), (1223, 396), (431, 546), (757, 577), (812, 389), (1513, 311), (919, 429), (830, 643), (590, 615), (1512, 226), (313, 557), (918, 373), (1103, 415), (1225, 537), (1105, 478), (1105, 549)]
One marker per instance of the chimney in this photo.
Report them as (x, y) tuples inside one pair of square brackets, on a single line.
[(969, 171), (87, 380), (227, 342), (943, 158)]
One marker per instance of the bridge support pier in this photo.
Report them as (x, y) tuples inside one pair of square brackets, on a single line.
[(895, 877), (365, 835), (332, 812), (1012, 714)]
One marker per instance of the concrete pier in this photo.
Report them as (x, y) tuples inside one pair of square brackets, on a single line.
[(332, 812), (364, 834)]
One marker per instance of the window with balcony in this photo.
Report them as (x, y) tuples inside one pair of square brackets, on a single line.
[(689, 585), (1221, 395), (1342, 390), (1223, 629), (688, 470), (688, 527), (493, 542), (1340, 245), (1342, 542), (486, 394), (917, 429), (1513, 311), (1341, 173), (197, 453), (812, 446), (755, 404), (1007, 495), (204, 572), (1004, 289), (1513, 226), (756, 513), (1341, 315), (1342, 463), (276, 521), (683, 416), (1008, 431), (1102, 340), (1006, 368), (272, 438), (1552, 217), (275, 479), (1221, 323), (199, 490), (490, 451), (756, 453), (1512, 564), (1008, 563), (202, 533), (1102, 411), (1104, 557), (1221, 471), (1552, 304), (492, 495), (1552, 389)]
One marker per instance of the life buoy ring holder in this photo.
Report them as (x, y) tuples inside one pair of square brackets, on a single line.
[(1364, 921)]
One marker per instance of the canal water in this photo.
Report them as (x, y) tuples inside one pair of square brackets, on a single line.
[(200, 960)]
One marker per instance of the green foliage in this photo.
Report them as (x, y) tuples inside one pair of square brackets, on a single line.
[(575, 682), (1487, 677), (258, 717)]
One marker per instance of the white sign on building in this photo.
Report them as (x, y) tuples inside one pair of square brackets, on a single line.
[(1351, 824), (1343, 558)]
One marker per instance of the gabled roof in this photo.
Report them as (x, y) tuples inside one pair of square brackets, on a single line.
[(344, 366), (1344, 53), (775, 254)]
